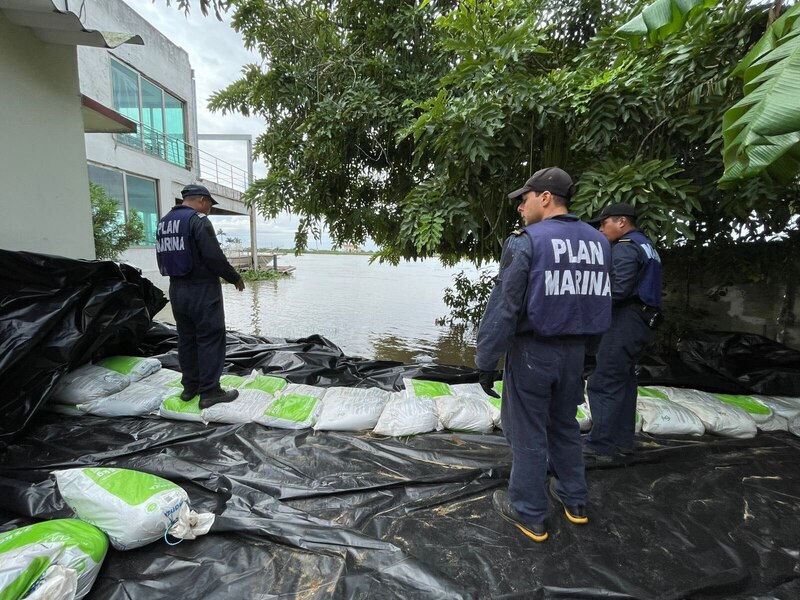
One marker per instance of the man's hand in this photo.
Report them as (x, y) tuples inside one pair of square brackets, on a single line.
[(487, 379), (239, 285)]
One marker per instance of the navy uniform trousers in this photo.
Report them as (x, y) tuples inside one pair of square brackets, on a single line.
[(200, 319), (612, 387), (542, 389)]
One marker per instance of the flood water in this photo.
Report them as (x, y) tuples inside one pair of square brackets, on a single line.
[(370, 310)]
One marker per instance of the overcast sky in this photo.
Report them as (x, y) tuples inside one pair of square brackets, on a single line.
[(217, 55)]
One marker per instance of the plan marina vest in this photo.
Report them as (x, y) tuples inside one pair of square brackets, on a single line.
[(173, 250), (569, 288), (648, 285)]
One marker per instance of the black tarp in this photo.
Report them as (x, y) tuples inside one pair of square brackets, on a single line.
[(341, 515)]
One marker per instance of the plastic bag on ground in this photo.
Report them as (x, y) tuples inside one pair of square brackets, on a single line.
[(659, 416), (132, 507), (136, 400), (407, 415), (29, 554), (351, 409), (247, 406), (718, 417), (295, 407), (134, 367), (88, 382)]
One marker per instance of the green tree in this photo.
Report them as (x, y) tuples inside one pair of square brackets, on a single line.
[(112, 236)]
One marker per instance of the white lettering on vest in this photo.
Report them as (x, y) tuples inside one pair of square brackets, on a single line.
[(590, 253), (584, 283)]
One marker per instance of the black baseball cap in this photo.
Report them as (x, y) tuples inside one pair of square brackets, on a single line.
[(620, 209), (552, 179), (195, 189)]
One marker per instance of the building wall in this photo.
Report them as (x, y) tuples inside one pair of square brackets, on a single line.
[(162, 62), (44, 197)]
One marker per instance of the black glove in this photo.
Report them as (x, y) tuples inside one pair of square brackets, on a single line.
[(487, 379)]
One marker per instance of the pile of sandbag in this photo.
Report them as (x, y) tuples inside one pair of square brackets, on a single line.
[(60, 559)]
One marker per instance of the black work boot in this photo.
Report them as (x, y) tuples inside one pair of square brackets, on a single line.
[(576, 513), (188, 394), (213, 397), (502, 504)]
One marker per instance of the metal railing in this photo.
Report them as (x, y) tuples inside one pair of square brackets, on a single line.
[(178, 152)]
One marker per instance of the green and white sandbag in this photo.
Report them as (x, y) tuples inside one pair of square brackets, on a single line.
[(351, 409), (784, 407), (87, 383), (407, 414), (662, 417), (758, 411), (295, 407), (265, 383), (57, 560), (136, 400), (135, 367), (718, 417), (245, 409), (168, 378), (172, 407), (133, 508), (583, 415)]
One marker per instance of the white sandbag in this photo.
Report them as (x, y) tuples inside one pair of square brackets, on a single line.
[(794, 427), (659, 416), (758, 411), (718, 417), (406, 414), (232, 381), (247, 406), (172, 407), (474, 390), (776, 423), (56, 559), (464, 413), (783, 406), (136, 400), (351, 409), (295, 407), (133, 508), (164, 378), (87, 383), (134, 367), (265, 383)]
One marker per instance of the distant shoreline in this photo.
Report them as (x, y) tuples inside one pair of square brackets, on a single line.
[(292, 251)]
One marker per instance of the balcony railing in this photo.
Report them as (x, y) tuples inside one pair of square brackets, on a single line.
[(175, 150)]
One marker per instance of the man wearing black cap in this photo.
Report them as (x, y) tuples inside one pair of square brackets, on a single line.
[(188, 252), (552, 294), (636, 296)]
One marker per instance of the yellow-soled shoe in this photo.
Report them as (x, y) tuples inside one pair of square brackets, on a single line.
[(502, 504), (575, 513)]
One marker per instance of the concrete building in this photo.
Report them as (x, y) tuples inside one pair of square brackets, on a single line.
[(79, 104)]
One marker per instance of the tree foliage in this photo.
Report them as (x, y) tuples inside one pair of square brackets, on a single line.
[(112, 236), (409, 122)]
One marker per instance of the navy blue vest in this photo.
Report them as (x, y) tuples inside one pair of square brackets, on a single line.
[(569, 288), (173, 250), (648, 285)]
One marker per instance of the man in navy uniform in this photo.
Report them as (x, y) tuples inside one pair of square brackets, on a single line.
[(636, 297), (552, 295), (188, 252)]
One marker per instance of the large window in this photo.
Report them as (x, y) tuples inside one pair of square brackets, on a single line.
[(159, 114), (132, 193)]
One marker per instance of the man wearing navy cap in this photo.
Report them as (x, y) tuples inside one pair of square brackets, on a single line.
[(552, 295), (188, 252), (636, 296)]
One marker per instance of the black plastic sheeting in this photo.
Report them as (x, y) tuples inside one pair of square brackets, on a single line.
[(352, 515), (58, 313)]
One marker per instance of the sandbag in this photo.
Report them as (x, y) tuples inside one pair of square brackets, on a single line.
[(717, 417), (407, 415), (464, 413), (164, 378), (758, 411), (134, 367), (584, 416), (172, 407), (132, 507), (295, 407), (265, 383), (461, 390), (138, 399), (351, 409), (245, 409), (659, 416), (87, 383), (56, 559), (784, 406)]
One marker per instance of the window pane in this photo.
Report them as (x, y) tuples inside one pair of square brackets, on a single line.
[(125, 85), (143, 199), (111, 182), (176, 150), (152, 119)]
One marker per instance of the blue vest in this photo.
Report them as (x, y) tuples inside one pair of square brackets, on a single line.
[(648, 285), (173, 249), (569, 287)]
